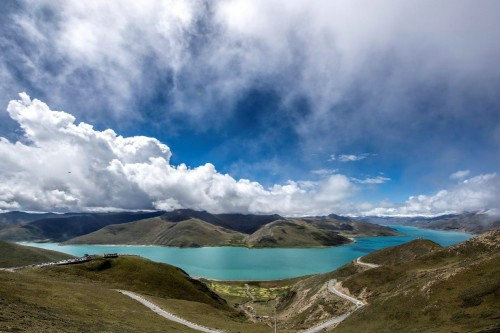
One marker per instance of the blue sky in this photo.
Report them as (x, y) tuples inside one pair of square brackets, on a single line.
[(408, 90)]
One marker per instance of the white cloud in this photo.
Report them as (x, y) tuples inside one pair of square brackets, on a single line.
[(68, 166), (372, 180), (460, 174), (476, 193), (323, 172), (348, 157)]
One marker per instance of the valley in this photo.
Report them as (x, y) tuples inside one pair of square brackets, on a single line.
[(419, 272)]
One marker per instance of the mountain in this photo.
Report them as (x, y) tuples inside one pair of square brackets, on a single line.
[(61, 228), (15, 217), (192, 232), (187, 228), (17, 255), (245, 223), (473, 222), (293, 233)]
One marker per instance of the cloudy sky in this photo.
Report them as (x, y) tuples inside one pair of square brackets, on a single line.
[(290, 107)]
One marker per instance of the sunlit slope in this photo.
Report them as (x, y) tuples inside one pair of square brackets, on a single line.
[(81, 297), (156, 231), (402, 253), (180, 228), (285, 233), (13, 255), (456, 289)]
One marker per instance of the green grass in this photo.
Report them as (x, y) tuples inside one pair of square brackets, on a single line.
[(450, 290), (402, 253), (139, 275), (33, 303), (13, 255)]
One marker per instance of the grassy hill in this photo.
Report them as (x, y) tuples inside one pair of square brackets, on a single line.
[(402, 253), (13, 255), (81, 297), (156, 231), (448, 290), (285, 233), (188, 228)]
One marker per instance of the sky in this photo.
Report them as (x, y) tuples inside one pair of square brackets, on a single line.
[(289, 107)]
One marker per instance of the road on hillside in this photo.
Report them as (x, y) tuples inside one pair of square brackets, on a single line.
[(359, 304), (361, 263), (166, 314)]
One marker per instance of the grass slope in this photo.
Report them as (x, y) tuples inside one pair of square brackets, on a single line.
[(80, 297), (14, 255), (294, 234), (178, 229), (449, 290), (401, 253), (33, 303), (156, 231)]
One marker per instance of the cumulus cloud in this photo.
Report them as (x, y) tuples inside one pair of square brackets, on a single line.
[(68, 166), (460, 174), (472, 194)]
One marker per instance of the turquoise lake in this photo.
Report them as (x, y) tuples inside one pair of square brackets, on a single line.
[(236, 263)]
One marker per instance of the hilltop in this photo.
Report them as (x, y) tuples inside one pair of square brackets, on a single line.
[(188, 228)]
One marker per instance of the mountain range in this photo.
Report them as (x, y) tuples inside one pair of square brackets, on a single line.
[(472, 222), (189, 228)]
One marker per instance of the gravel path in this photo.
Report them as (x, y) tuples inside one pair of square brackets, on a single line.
[(166, 314)]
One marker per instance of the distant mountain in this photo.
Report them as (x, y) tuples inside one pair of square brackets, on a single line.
[(246, 223), (473, 222), (189, 228), (63, 227), (191, 232), (15, 217)]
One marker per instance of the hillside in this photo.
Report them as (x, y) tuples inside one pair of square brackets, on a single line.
[(37, 300), (17, 255), (472, 222), (285, 233), (452, 289), (156, 231), (61, 228), (402, 253), (245, 223), (171, 230)]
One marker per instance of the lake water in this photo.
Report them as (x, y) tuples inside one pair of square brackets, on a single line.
[(236, 263)]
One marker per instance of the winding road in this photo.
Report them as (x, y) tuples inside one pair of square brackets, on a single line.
[(166, 314), (331, 287), (359, 262)]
